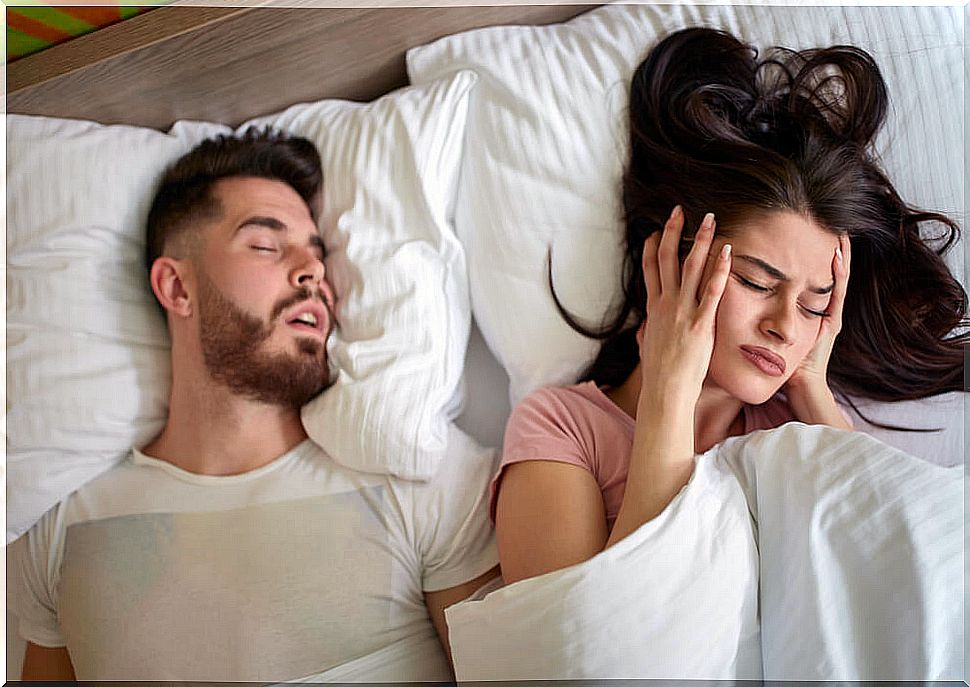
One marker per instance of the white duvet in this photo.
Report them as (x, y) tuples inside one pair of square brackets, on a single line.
[(800, 553)]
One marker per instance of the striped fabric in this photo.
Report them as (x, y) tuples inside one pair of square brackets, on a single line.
[(33, 28)]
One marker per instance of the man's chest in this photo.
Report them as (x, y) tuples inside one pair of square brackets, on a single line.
[(272, 592)]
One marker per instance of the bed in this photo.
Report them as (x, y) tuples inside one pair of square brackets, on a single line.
[(192, 63)]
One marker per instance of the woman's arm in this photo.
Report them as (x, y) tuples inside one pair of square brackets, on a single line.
[(551, 515), (661, 462), (676, 343)]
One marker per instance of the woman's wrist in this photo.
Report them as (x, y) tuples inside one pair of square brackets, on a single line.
[(814, 404), (671, 400), (666, 413), (661, 462)]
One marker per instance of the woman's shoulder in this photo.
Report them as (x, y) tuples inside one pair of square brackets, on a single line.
[(583, 399), (579, 413)]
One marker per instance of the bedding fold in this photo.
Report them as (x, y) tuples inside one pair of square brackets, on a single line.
[(862, 556), (799, 553), (611, 616)]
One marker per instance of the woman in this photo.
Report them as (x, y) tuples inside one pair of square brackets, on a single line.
[(739, 330)]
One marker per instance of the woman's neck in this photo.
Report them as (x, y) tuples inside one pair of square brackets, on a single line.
[(717, 414)]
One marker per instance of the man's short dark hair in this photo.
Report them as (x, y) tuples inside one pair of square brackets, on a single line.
[(184, 196)]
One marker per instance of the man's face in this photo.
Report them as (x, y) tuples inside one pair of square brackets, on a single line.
[(265, 306)]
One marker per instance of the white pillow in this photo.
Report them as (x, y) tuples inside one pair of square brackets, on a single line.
[(87, 348), (547, 141)]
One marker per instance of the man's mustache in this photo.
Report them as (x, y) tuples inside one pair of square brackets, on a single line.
[(299, 297)]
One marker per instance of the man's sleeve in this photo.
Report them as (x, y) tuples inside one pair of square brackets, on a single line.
[(34, 567), (456, 542)]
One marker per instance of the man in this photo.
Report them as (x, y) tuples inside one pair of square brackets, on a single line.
[(231, 548)]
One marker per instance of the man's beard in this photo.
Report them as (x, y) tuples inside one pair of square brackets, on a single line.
[(232, 343)]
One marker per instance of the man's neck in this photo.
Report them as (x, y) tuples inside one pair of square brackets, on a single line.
[(211, 431)]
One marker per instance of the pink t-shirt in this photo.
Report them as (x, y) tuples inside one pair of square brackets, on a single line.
[(581, 426)]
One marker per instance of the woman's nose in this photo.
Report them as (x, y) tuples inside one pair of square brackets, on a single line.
[(779, 323)]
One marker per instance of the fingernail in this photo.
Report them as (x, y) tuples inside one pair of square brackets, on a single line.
[(675, 212), (838, 253), (725, 251), (708, 220)]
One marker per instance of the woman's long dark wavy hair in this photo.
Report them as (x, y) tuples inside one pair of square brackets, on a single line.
[(715, 129)]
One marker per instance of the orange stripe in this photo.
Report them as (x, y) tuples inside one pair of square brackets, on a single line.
[(35, 28), (95, 16)]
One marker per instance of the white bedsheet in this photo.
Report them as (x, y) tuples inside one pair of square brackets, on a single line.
[(852, 549)]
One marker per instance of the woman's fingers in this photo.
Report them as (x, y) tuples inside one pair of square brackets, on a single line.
[(715, 285), (662, 272), (846, 245), (840, 270), (667, 253), (697, 259), (651, 273)]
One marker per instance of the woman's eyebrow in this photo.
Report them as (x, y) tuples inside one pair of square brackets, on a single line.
[(776, 273)]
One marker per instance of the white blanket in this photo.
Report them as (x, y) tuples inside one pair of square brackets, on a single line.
[(857, 546)]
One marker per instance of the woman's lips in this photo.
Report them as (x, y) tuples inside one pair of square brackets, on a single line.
[(766, 361)]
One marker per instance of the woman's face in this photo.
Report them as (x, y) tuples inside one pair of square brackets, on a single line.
[(771, 311)]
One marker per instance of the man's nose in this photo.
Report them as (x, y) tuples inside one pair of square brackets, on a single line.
[(309, 270)]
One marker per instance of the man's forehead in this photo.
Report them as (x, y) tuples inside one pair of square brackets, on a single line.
[(248, 190), (268, 203)]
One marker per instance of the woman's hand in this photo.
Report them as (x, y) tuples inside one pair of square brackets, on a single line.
[(677, 337), (808, 390), (676, 343)]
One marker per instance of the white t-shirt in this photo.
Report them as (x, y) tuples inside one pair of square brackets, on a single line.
[(300, 569)]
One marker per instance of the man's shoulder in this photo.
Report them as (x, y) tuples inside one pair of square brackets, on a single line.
[(114, 475), (83, 503), (466, 468)]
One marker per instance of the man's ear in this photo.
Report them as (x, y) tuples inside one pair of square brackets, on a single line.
[(167, 278)]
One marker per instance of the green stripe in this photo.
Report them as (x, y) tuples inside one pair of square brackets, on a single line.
[(21, 44), (127, 12), (56, 19)]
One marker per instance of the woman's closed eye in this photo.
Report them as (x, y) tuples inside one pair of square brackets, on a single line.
[(813, 313), (265, 248), (754, 286)]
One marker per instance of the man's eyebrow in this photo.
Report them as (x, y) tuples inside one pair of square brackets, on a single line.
[(268, 222), (276, 225), (776, 273), (317, 242)]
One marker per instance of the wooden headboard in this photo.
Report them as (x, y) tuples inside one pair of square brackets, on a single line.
[(227, 64)]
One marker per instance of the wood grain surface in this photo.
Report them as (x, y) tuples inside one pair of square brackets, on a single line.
[(228, 64)]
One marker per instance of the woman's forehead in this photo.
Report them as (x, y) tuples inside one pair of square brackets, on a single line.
[(790, 243)]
